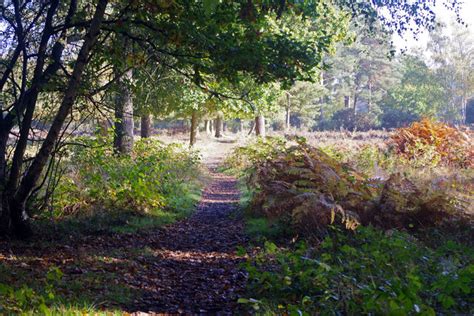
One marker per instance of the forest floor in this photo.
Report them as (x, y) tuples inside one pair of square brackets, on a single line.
[(190, 266)]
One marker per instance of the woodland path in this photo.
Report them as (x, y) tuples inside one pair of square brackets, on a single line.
[(196, 269)]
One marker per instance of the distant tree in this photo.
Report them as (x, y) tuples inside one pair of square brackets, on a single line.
[(301, 103), (453, 60), (358, 77), (418, 93)]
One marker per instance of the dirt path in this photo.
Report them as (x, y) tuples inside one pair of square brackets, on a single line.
[(195, 266)]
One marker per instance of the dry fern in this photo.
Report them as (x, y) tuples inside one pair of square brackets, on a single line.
[(453, 146)]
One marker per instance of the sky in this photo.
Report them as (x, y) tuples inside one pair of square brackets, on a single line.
[(443, 15)]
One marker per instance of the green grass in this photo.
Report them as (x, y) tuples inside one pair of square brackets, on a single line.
[(120, 221), (261, 228)]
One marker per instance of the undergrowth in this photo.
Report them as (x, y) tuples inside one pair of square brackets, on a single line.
[(366, 272), (404, 246), (101, 191)]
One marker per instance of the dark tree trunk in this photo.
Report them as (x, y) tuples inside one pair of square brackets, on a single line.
[(3, 156), (194, 128), (16, 205), (123, 138), (287, 119), (219, 124), (355, 104), (23, 112), (145, 126), (260, 125)]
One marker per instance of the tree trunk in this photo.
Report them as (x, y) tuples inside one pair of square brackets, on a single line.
[(347, 101), (194, 128), (123, 138), (260, 125), (145, 126), (252, 127), (16, 205), (219, 124), (369, 103), (207, 127), (288, 112), (355, 104)]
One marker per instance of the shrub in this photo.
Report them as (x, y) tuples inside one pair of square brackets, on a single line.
[(347, 119), (155, 177), (394, 118)]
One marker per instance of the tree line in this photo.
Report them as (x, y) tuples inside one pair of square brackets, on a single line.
[(64, 63)]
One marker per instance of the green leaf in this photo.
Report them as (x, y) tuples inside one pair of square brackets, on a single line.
[(210, 6)]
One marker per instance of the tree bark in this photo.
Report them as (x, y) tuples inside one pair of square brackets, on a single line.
[(145, 126), (194, 128), (19, 218), (260, 125), (123, 138), (288, 112), (219, 124)]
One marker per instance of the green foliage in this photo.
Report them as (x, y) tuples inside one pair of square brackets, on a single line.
[(419, 94), (244, 158), (44, 300), (367, 271), (154, 179), (260, 228), (347, 119)]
